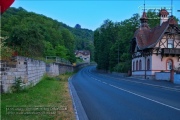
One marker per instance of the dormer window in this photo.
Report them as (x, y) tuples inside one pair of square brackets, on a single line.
[(170, 43)]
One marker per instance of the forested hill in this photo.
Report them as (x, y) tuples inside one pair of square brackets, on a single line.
[(35, 35)]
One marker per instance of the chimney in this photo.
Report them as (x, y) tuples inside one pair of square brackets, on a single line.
[(163, 14)]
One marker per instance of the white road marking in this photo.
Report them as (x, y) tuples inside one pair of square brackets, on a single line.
[(167, 88), (146, 98), (104, 82)]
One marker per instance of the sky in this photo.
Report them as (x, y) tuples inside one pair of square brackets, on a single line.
[(90, 14)]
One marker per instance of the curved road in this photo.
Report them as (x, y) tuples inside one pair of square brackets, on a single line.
[(109, 97)]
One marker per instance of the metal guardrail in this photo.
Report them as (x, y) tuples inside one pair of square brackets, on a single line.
[(58, 60)]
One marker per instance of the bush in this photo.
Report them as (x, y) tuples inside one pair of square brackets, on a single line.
[(18, 85), (122, 67)]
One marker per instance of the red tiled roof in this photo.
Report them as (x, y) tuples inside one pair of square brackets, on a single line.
[(147, 38), (83, 52), (144, 16), (163, 12), (172, 21)]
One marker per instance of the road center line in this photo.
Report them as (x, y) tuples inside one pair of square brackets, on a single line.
[(145, 97)]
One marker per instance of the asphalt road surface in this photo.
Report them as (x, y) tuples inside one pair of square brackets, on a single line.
[(109, 97)]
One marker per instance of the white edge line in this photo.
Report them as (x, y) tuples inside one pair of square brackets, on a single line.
[(145, 97), (76, 113)]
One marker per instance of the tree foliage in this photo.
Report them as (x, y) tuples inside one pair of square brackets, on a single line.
[(35, 35), (113, 38)]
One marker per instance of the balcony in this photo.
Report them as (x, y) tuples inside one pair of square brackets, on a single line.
[(171, 51)]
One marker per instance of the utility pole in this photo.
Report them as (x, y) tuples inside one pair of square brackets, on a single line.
[(118, 52)]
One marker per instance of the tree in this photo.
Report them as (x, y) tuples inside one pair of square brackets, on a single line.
[(112, 38), (26, 40), (61, 51), (69, 44), (77, 26), (153, 18), (5, 51), (49, 50)]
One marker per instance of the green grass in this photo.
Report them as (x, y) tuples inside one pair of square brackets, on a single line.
[(49, 91)]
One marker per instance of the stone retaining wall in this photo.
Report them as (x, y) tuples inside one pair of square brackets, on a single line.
[(29, 70)]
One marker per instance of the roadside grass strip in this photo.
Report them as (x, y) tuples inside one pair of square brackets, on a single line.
[(49, 99)]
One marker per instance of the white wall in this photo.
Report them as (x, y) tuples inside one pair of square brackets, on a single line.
[(159, 65), (177, 78), (142, 71), (162, 76)]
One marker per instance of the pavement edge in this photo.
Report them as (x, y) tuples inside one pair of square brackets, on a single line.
[(77, 105)]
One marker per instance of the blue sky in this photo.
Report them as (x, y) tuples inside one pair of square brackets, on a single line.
[(91, 14)]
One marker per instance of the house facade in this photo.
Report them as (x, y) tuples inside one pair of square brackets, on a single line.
[(155, 49), (83, 54)]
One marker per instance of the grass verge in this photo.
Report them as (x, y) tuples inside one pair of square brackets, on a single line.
[(48, 100)]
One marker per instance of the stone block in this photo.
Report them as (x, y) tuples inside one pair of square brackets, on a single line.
[(9, 73), (4, 77), (11, 81), (13, 69), (10, 77), (6, 88), (22, 69)]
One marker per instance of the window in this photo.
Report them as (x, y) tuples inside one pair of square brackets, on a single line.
[(170, 43), (148, 64), (140, 65), (136, 65), (169, 64)]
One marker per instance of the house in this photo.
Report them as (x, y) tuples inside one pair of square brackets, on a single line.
[(83, 54), (155, 49)]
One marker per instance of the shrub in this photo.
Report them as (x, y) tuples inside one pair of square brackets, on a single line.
[(18, 85)]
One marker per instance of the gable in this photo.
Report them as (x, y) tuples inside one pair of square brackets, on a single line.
[(149, 38), (170, 33)]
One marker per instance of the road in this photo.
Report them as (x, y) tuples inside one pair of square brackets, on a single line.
[(108, 97)]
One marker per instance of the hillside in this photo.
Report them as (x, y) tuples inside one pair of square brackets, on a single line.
[(35, 35)]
